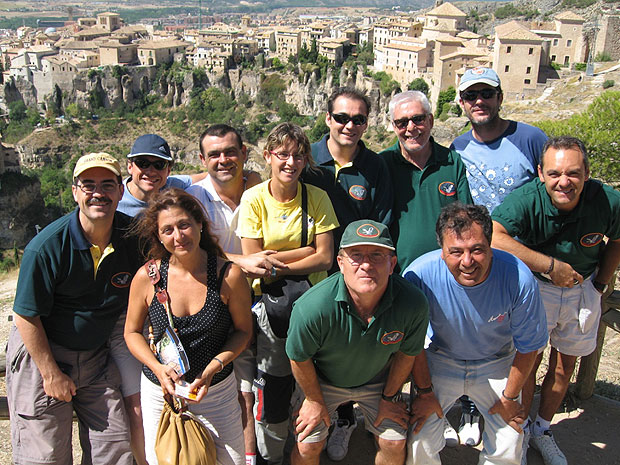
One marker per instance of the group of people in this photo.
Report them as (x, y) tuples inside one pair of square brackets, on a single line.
[(453, 266)]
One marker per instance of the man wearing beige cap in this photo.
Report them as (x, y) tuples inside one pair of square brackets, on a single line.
[(73, 284)]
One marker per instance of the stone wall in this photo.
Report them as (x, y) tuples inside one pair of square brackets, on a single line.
[(20, 212), (608, 37)]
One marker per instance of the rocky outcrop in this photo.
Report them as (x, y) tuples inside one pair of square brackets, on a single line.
[(21, 210)]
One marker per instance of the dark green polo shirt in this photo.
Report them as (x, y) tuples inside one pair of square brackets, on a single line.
[(419, 196), (360, 190), (346, 351), (575, 237), (57, 282)]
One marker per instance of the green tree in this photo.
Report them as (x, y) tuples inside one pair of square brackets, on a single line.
[(419, 84), (445, 96), (598, 128), (387, 85), (277, 64), (17, 110), (319, 129)]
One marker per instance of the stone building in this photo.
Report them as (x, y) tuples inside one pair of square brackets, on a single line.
[(155, 52)]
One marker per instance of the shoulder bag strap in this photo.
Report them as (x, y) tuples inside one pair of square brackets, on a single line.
[(304, 215)]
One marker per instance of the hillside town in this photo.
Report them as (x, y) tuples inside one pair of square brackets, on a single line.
[(435, 46)]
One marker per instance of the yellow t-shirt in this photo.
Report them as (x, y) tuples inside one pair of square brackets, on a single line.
[(279, 223)]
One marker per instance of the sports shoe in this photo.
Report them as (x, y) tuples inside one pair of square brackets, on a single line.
[(551, 453), (526, 445), (338, 442), (449, 434), (470, 430)]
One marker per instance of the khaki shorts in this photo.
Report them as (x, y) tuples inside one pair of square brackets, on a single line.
[(41, 426), (367, 398), (573, 315)]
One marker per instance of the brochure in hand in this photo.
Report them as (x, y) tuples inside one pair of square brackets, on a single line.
[(170, 352)]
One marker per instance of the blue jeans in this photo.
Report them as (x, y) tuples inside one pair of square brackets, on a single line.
[(483, 381)]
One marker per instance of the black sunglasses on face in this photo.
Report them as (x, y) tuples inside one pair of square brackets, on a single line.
[(343, 118), (144, 164), (472, 95), (402, 123)]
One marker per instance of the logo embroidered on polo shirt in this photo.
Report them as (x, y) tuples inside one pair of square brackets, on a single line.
[(447, 188), (358, 192), (367, 230), (499, 318), (392, 337), (122, 279), (591, 239)]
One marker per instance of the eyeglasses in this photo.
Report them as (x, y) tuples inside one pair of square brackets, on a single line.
[(375, 258), (106, 187), (472, 95), (285, 156), (343, 118), (417, 120), (144, 163)]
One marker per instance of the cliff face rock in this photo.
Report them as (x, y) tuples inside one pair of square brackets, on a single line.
[(20, 211), (41, 148), (20, 89)]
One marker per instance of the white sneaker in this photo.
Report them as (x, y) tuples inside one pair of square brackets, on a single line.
[(338, 442), (551, 453), (470, 430), (526, 444), (449, 434)]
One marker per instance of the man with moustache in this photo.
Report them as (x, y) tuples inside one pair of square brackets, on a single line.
[(561, 220), (426, 176), (499, 155), (73, 285)]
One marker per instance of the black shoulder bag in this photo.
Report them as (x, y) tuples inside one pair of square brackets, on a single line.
[(278, 297)]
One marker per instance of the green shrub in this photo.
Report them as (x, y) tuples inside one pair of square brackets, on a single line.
[(608, 83), (603, 56), (419, 84), (445, 96), (555, 66), (580, 66)]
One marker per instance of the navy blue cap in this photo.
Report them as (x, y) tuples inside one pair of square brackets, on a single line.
[(151, 144)]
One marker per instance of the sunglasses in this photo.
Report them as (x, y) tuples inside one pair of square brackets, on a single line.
[(402, 123), (343, 118), (472, 95), (144, 164)]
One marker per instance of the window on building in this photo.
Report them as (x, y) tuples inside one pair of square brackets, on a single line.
[(569, 43), (553, 57), (555, 42), (566, 60), (508, 49), (528, 70), (506, 68), (531, 51), (527, 81)]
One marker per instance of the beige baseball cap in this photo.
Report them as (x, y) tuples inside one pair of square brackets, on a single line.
[(97, 160)]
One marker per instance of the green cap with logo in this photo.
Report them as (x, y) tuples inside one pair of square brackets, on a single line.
[(366, 232)]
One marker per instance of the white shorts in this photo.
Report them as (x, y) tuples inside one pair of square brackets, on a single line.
[(573, 315)]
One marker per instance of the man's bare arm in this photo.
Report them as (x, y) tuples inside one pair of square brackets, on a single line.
[(313, 409), (562, 275), (400, 368), (55, 383), (608, 262), (425, 404), (511, 410)]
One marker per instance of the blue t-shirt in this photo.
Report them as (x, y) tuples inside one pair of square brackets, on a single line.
[(477, 322), (131, 206), (496, 168)]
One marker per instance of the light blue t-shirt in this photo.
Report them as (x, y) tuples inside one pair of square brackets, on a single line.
[(131, 206), (496, 168), (475, 323)]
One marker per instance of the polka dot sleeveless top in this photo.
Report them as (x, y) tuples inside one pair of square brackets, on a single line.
[(203, 335)]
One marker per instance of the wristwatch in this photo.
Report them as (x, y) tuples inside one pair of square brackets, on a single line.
[(393, 398), (426, 390), (601, 287)]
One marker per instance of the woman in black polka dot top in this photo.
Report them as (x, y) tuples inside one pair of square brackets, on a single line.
[(192, 288)]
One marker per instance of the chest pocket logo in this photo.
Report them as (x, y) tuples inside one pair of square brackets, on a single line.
[(447, 188), (358, 192), (591, 239), (122, 279), (393, 337)]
